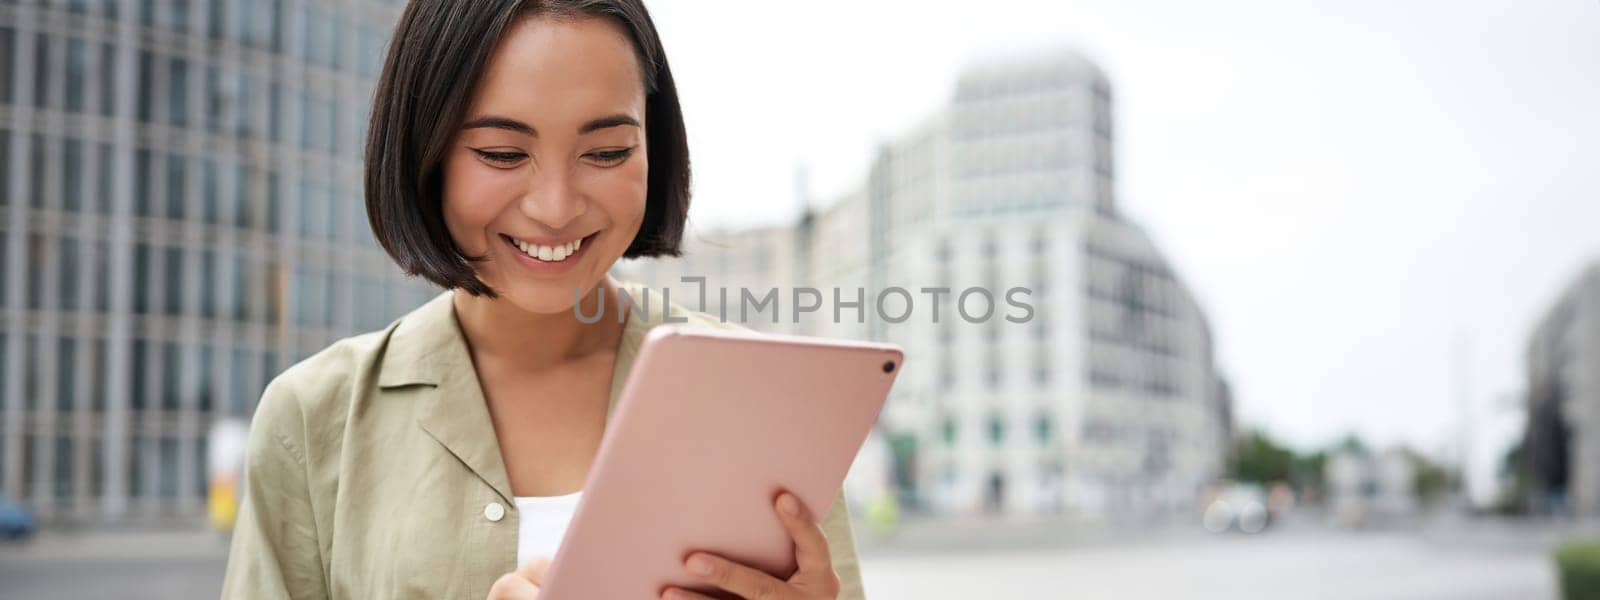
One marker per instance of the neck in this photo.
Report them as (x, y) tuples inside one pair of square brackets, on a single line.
[(497, 328)]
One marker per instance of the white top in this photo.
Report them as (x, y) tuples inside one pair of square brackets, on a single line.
[(541, 521)]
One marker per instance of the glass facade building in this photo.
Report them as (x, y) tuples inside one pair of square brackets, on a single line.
[(181, 217)]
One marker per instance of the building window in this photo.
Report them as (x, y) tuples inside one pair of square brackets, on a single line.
[(108, 79), (174, 281), (275, 112), (5, 166), (99, 366), (947, 430), (142, 267), (36, 160), (997, 429), (147, 86), (208, 284), (269, 370), (170, 371), (139, 375), (1043, 428), (143, 164), (41, 71), (238, 282), (175, 187), (101, 258), (215, 21), (239, 210), (62, 474), (167, 472), (202, 390), (71, 174), (66, 375), (238, 385), (68, 274), (216, 95), (97, 467), (8, 40), (36, 269), (178, 92), (178, 20), (242, 125), (305, 197), (273, 198), (263, 23), (103, 179), (77, 69), (210, 191)]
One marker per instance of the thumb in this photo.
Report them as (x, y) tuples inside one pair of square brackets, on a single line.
[(512, 586), (534, 569)]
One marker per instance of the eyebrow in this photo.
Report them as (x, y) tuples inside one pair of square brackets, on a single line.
[(617, 120), (608, 122)]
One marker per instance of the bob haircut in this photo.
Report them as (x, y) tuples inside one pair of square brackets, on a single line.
[(436, 58)]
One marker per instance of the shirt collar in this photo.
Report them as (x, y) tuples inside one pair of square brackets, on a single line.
[(428, 345), (427, 349)]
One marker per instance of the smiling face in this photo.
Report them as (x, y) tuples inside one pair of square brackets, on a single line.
[(546, 179)]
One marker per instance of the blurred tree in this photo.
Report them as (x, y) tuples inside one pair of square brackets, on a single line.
[(1260, 459), (1516, 480), (1306, 475), (1353, 443), (1431, 481)]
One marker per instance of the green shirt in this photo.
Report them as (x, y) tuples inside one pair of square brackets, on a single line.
[(372, 464)]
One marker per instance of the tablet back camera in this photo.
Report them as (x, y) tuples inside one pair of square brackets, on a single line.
[(888, 366)]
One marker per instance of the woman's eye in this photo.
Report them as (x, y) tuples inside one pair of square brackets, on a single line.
[(610, 157), (503, 158)]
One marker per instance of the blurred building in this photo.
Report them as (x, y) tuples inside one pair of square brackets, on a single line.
[(1105, 399), (1366, 488), (181, 216), (1562, 441)]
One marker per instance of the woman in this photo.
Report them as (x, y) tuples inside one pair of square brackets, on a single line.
[(518, 148)]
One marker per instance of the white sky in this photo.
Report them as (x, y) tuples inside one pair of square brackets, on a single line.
[(1350, 186)]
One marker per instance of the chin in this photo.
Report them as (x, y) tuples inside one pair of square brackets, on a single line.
[(546, 297)]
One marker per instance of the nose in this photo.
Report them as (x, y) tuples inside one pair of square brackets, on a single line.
[(552, 199)]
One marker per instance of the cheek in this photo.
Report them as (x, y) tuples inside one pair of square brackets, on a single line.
[(622, 192), (472, 199)]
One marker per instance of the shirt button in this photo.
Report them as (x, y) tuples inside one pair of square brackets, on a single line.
[(494, 511)]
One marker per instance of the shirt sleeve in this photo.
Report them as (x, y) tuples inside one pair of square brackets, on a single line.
[(275, 553), (842, 546)]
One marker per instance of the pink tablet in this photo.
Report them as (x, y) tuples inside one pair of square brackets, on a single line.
[(708, 428)]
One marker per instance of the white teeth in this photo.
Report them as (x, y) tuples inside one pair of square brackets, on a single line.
[(549, 253)]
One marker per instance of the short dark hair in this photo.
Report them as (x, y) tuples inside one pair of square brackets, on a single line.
[(436, 58)]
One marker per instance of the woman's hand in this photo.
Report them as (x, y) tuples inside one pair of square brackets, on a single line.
[(813, 580), (523, 583)]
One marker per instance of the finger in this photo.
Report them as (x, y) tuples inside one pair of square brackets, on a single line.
[(748, 583), (534, 569), (811, 552), (683, 594), (512, 586)]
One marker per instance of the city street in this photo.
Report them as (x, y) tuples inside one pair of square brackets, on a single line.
[(1304, 562), (1006, 561)]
